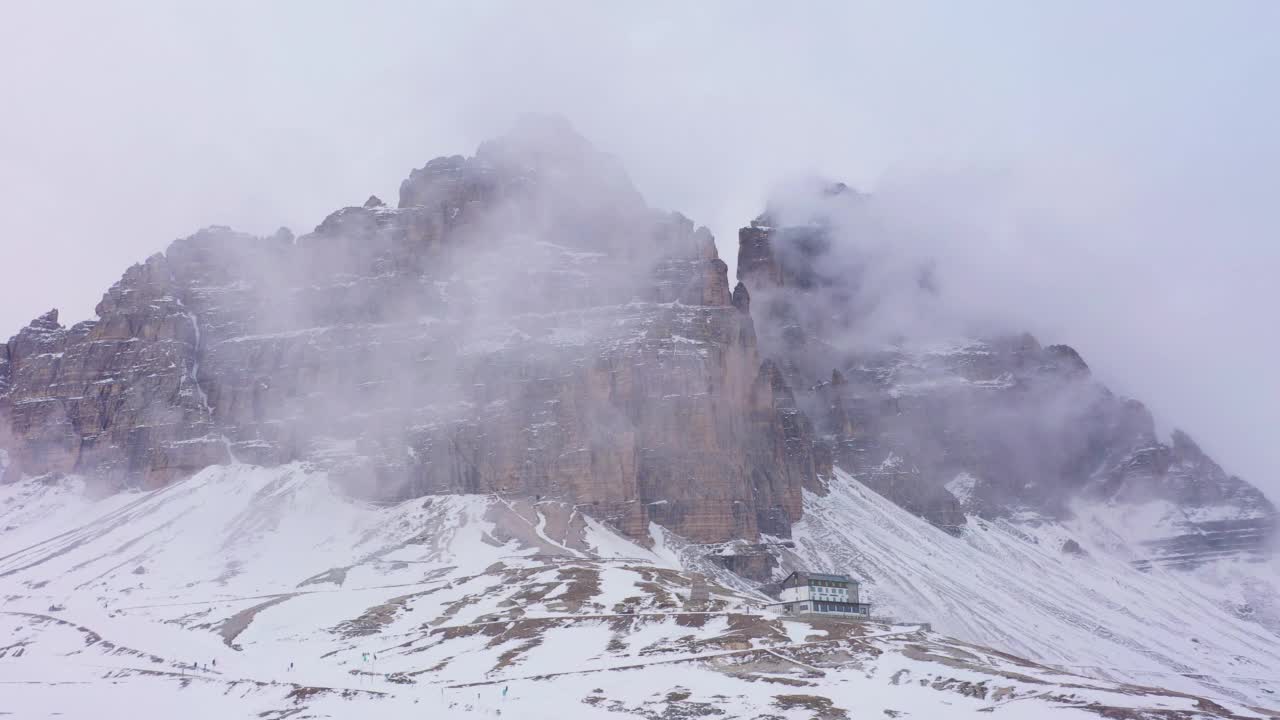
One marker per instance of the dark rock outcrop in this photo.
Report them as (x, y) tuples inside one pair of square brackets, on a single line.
[(1071, 547), (754, 562)]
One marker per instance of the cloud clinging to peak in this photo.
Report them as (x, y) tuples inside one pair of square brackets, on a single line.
[(1104, 174)]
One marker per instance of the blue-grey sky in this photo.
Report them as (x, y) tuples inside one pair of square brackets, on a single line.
[(1103, 173)]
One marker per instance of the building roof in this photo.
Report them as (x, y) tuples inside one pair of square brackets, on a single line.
[(824, 576), (821, 576)]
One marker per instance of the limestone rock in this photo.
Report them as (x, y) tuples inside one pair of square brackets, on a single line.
[(993, 426), (521, 324), (115, 399)]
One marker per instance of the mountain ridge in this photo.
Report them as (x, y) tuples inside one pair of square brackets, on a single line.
[(1019, 425), (524, 355), (380, 346), (521, 324)]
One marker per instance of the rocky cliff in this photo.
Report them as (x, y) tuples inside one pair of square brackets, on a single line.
[(997, 426), (520, 324)]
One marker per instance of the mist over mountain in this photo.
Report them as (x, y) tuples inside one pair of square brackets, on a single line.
[(523, 323), (949, 409), (1104, 175), (524, 347)]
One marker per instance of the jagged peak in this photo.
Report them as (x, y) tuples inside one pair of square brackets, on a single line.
[(153, 274), (345, 220), (740, 298), (209, 235), (1183, 444), (1066, 358), (807, 202), (706, 243), (772, 377), (39, 333), (1015, 343), (47, 322), (540, 151)]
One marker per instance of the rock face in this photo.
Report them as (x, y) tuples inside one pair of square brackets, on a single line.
[(521, 324), (996, 427), (116, 398)]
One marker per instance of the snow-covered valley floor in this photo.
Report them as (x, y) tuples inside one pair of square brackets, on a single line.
[(251, 592)]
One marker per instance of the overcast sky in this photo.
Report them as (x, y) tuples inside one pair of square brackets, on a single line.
[(1109, 171)]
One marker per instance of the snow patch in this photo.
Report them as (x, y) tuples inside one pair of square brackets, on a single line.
[(961, 487)]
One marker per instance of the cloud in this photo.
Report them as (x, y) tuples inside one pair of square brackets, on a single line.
[(1102, 174)]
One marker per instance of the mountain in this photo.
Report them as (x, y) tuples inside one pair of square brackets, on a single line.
[(951, 426), (520, 324), (518, 429)]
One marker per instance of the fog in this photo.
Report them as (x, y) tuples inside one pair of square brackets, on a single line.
[(1103, 175)]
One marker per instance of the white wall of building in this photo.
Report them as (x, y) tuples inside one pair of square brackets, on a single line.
[(806, 593)]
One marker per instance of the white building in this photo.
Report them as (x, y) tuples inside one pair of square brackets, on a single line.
[(819, 593)]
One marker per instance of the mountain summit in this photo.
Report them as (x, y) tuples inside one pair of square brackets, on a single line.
[(533, 406), (521, 324)]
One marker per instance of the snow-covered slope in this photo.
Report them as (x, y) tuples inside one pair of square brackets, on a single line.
[(1066, 594), (247, 592)]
